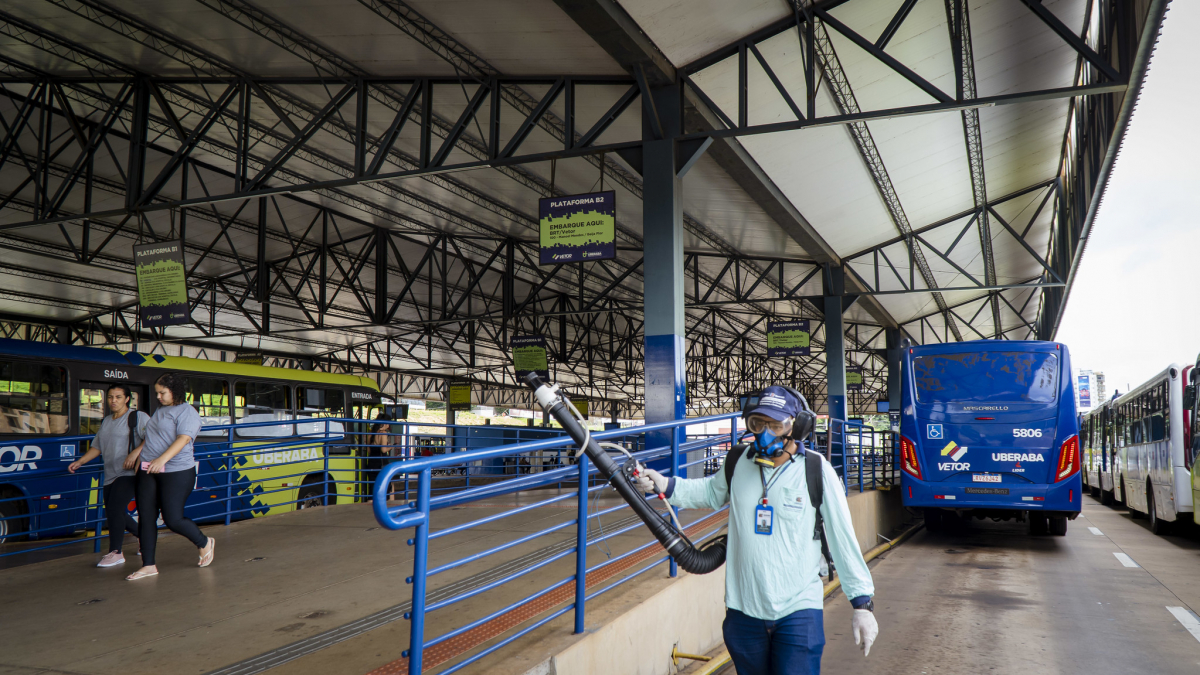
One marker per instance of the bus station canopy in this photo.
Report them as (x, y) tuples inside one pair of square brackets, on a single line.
[(356, 182)]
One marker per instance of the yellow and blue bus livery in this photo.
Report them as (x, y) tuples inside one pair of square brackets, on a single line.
[(52, 401)]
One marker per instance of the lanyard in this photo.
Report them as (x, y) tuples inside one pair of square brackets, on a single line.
[(767, 486)]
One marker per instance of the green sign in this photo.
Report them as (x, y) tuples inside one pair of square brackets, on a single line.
[(459, 396), (162, 284), (529, 356), (254, 358), (582, 407), (788, 338), (854, 378), (577, 228)]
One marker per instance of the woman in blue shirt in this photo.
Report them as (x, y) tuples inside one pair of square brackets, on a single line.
[(166, 473)]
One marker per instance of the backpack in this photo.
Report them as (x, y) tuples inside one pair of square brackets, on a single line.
[(816, 490)]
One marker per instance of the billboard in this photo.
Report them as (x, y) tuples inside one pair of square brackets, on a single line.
[(577, 228), (788, 338), (1083, 384), (161, 284), (529, 356)]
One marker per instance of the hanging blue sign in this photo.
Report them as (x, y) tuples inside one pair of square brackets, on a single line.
[(578, 228)]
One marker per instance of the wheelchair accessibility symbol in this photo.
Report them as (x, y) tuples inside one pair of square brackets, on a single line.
[(935, 431)]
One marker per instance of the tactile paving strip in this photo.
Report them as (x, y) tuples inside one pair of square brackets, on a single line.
[(445, 651)]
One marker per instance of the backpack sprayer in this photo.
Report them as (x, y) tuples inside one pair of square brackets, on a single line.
[(708, 557)]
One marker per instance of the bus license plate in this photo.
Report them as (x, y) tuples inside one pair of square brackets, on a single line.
[(985, 491), (986, 478)]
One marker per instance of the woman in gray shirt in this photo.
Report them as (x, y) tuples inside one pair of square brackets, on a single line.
[(166, 473), (114, 442)]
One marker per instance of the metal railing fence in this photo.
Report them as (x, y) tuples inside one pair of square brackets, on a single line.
[(417, 514), (864, 457), (309, 461)]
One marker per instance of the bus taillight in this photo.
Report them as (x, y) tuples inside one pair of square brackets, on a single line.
[(1068, 459), (908, 458)]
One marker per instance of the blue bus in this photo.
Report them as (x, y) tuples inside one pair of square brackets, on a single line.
[(988, 429), (52, 402)]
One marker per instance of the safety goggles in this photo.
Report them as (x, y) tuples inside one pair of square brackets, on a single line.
[(757, 423)]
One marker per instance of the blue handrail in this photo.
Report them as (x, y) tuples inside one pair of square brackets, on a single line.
[(862, 456), (417, 514), (50, 506)]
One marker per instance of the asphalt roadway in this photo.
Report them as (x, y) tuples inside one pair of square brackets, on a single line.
[(989, 598)]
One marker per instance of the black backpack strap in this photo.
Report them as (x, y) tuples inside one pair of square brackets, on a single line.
[(133, 424), (731, 460), (814, 475)]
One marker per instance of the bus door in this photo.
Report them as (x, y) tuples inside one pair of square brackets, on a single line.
[(218, 488), (369, 461)]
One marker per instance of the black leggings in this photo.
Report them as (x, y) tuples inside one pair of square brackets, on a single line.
[(167, 492), (117, 496)]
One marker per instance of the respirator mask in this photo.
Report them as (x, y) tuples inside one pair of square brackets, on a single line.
[(770, 436)]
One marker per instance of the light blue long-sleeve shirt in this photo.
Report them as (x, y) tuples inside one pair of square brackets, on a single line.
[(771, 576)]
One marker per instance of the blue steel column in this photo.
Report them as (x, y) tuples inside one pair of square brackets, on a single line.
[(662, 223), (895, 352), (835, 348), (892, 335)]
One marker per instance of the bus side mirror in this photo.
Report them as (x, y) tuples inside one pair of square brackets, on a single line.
[(1189, 397)]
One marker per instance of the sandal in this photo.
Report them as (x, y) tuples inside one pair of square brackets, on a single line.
[(207, 558), (141, 575)]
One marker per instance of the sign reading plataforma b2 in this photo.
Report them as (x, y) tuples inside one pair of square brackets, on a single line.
[(578, 228), (162, 283)]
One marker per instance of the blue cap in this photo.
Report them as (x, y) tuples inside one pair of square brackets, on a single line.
[(776, 403)]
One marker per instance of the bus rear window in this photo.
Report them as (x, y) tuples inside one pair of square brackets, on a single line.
[(986, 377)]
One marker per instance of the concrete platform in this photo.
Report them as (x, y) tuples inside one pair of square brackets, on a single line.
[(329, 580), (323, 591)]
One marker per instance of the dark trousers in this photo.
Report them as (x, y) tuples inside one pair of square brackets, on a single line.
[(788, 646), (374, 464), (166, 492), (117, 496)]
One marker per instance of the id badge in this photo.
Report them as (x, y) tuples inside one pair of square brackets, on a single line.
[(764, 517)]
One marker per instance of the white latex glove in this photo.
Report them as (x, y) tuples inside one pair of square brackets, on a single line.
[(649, 480), (865, 629)]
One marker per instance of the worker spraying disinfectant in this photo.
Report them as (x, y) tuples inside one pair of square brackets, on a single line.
[(788, 514)]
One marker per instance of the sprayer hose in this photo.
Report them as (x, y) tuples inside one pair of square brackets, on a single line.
[(701, 560)]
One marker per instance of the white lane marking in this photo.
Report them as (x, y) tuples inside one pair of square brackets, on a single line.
[(1096, 531), (1188, 620), (1125, 560)]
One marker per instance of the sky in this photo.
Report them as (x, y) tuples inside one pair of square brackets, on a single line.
[(1132, 311)]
